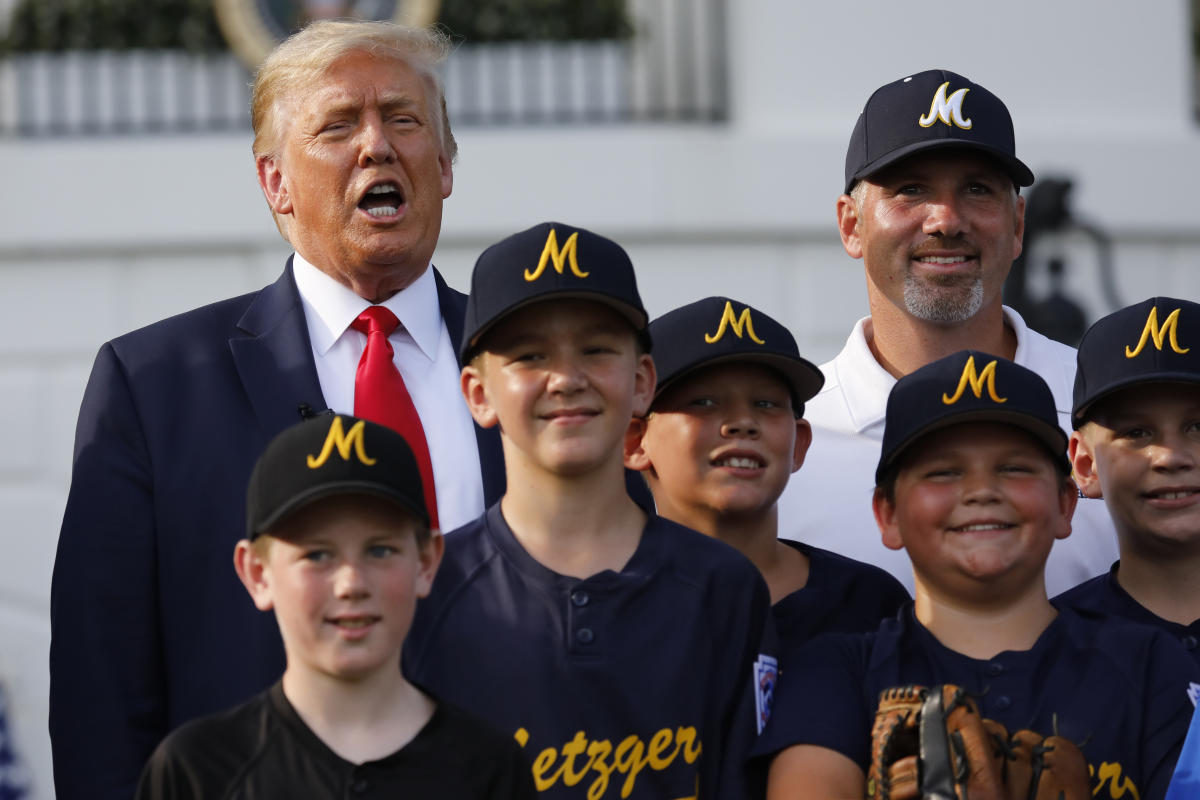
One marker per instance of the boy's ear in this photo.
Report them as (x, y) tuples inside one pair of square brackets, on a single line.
[(251, 570), (1068, 498), (803, 440), (477, 400), (885, 518), (636, 457), (430, 558), (645, 379), (1083, 465)]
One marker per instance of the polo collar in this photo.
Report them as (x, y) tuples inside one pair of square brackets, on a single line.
[(865, 384)]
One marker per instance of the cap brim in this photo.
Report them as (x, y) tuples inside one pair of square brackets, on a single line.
[(638, 318), (803, 377), (315, 493), (1079, 415), (1052, 437), (1021, 175)]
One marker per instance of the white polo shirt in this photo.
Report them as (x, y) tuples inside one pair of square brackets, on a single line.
[(828, 502), (427, 362)]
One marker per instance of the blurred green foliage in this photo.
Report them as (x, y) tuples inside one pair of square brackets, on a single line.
[(535, 20), (57, 25)]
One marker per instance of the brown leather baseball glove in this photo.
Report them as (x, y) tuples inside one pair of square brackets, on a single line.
[(932, 744)]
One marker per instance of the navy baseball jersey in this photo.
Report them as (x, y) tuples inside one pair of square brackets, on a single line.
[(641, 683), (1104, 596), (1118, 690), (842, 596)]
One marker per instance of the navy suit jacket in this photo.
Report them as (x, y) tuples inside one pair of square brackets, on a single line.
[(150, 625)]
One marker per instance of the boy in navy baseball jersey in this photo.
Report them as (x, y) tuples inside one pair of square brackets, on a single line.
[(618, 648), (339, 545), (973, 483), (1137, 444), (725, 432)]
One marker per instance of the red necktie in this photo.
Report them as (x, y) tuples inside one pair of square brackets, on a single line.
[(381, 396)]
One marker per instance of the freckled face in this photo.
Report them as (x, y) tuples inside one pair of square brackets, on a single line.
[(343, 576), (722, 441), (977, 504), (1142, 452), (563, 379), (361, 173), (937, 232)]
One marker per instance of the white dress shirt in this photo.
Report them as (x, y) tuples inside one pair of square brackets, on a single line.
[(427, 362), (828, 502)]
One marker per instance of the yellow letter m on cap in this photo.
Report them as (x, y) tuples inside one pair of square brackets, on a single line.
[(1152, 332), (560, 258), (344, 443), (976, 382), (738, 324), (948, 111)]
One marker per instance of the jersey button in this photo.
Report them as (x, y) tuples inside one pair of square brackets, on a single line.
[(580, 598), (1003, 702), (361, 786), (1189, 642), (995, 668), (584, 636)]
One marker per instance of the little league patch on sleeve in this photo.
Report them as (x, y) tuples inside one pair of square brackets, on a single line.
[(1193, 693), (766, 674)]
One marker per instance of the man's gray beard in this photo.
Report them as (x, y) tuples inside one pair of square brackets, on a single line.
[(943, 303)]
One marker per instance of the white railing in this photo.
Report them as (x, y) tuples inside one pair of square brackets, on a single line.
[(672, 69)]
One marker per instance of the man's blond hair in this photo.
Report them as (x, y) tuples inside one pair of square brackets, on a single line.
[(301, 59)]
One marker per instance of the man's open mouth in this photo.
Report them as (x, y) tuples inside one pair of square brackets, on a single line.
[(383, 200)]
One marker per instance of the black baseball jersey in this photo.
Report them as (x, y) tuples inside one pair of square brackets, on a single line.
[(842, 596), (1118, 690), (639, 683), (1103, 595), (262, 750)]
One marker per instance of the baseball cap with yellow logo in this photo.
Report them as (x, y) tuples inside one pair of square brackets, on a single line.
[(719, 330), (328, 455), (969, 386), (550, 261), (1154, 341)]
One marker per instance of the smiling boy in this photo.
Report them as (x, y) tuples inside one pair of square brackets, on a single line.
[(618, 648), (1137, 445), (973, 484), (339, 546), (725, 432)]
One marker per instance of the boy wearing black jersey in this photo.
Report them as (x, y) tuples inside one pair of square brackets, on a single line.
[(339, 546)]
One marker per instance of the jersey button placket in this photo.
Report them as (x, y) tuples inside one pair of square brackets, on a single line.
[(582, 632), (995, 696)]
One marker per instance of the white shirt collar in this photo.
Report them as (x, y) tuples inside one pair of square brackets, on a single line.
[(865, 384), (330, 307)]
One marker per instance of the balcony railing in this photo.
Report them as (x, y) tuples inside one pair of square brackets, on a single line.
[(672, 69)]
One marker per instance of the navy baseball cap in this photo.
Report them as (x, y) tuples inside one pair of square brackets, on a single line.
[(969, 386), (328, 455), (1154, 341), (936, 108), (550, 260), (719, 330)]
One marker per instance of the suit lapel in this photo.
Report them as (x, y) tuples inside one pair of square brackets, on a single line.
[(274, 357), (491, 453)]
